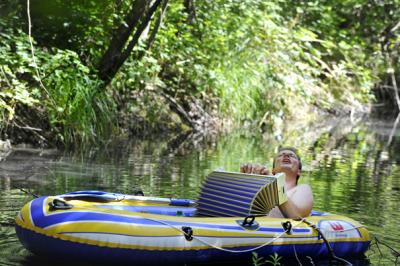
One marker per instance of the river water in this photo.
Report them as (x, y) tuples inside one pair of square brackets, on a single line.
[(353, 167)]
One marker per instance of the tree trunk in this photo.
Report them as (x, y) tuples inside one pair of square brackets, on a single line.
[(157, 25), (190, 9), (154, 30), (135, 21), (139, 31)]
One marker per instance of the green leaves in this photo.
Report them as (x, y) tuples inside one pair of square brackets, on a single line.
[(77, 113), (15, 61), (252, 62), (81, 113)]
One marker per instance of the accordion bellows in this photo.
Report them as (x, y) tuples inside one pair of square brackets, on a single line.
[(229, 194)]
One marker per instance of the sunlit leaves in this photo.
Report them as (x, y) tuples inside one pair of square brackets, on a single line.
[(258, 61), (75, 108), (15, 61)]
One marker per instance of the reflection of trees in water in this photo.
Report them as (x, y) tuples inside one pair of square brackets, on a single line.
[(357, 142), (357, 174)]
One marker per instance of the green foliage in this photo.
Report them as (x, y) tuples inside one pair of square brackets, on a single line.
[(75, 108), (355, 21), (81, 26), (255, 61), (257, 261), (15, 64), (365, 32), (259, 65), (273, 260)]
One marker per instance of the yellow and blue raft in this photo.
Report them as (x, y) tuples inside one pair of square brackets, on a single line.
[(97, 226)]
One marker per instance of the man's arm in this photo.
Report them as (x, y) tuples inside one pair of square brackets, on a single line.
[(300, 202)]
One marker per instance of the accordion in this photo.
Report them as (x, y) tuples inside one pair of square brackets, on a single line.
[(230, 194)]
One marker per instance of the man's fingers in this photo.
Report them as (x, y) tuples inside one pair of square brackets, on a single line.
[(244, 168), (249, 168), (264, 171), (257, 169)]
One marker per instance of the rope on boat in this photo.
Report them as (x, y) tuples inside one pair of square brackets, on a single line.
[(262, 245), (221, 248), (188, 233), (331, 252)]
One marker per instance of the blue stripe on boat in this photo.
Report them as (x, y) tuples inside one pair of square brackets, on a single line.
[(42, 221), (163, 210)]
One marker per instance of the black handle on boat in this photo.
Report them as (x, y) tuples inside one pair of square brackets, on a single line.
[(247, 223), (187, 232), (287, 226), (58, 204)]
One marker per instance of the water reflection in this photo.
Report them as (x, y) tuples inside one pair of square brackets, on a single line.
[(352, 166)]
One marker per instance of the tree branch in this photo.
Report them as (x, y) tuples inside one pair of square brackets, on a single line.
[(120, 38), (396, 27), (190, 9), (139, 32), (396, 90), (177, 108), (154, 31), (116, 56), (157, 25)]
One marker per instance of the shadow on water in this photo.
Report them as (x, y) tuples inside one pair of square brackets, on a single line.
[(353, 167)]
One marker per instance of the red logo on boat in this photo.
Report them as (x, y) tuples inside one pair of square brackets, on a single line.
[(336, 226)]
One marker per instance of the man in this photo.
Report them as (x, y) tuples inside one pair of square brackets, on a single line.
[(300, 197)]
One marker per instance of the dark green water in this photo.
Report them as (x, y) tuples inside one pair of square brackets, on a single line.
[(352, 167)]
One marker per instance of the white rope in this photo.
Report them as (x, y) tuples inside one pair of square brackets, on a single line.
[(241, 251), (221, 248), (37, 70), (31, 41)]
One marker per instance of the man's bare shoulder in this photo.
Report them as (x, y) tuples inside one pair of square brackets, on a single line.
[(304, 188)]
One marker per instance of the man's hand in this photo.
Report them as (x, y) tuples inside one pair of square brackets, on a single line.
[(249, 168)]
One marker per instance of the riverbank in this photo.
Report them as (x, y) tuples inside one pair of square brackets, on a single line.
[(182, 135)]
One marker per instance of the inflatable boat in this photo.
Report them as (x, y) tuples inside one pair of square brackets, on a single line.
[(102, 227)]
